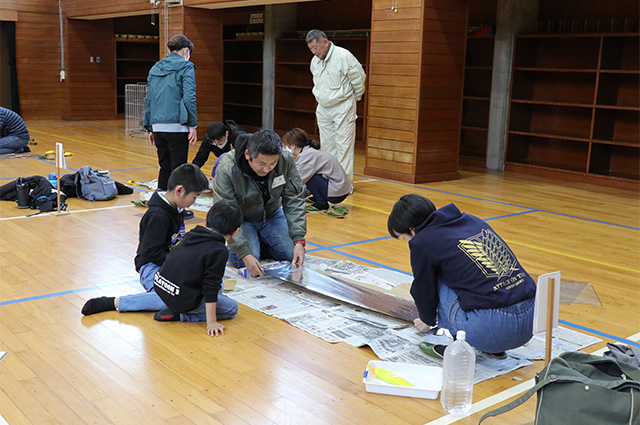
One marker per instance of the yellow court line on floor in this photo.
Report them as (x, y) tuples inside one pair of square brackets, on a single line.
[(94, 144), (602, 263), (353, 204)]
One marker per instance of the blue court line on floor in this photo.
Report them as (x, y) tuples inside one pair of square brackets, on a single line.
[(510, 215), (499, 202), (73, 291), (324, 248), (389, 237), (602, 334), (358, 242), (128, 282), (564, 322)]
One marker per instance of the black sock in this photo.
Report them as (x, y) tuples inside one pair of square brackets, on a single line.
[(98, 305)]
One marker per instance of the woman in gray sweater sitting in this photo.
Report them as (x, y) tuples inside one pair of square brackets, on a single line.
[(320, 172)]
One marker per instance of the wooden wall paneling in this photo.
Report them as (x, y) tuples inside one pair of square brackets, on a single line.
[(91, 86), (98, 9), (38, 64), (393, 89), (176, 26), (204, 29), (417, 59), (334, 14), (40, 6), (9, 15), (443, 56)]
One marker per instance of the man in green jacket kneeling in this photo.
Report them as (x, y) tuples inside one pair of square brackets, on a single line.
[(263, 180)]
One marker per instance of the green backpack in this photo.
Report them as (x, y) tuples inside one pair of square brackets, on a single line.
[(583, 389)]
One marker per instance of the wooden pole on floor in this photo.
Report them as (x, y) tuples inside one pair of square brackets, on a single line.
[(550, 310)]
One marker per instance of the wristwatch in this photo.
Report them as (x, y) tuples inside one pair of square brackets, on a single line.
[(301, 242)]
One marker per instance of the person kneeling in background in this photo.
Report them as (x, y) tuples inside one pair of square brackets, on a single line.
[(320, 172), (14, 136)]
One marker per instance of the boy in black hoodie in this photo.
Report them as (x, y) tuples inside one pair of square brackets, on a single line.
[(190, 280), (161, 227)]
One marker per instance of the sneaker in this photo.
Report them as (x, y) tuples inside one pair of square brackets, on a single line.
[(310, 199), (187, 214), (167, 315), (342, 209), (140, 203), (334, 213), (433, 350), (498, 356), (312, 208)]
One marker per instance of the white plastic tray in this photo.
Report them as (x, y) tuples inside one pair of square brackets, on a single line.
[(426, 380)]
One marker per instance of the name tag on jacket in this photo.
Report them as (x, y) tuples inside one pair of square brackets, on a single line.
[(278, 181)]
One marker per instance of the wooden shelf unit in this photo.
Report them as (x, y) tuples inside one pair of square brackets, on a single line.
[(575, 107), (295, 105), (134, 59), (242, 92), (475, 101)]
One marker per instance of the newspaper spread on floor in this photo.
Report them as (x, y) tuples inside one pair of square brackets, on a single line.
[(203, 202), (391, 339)]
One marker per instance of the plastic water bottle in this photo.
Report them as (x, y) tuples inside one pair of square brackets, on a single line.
[(22, 193), (53, 179), (457, 377)]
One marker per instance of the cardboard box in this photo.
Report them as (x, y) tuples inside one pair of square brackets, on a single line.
[(426, 381)]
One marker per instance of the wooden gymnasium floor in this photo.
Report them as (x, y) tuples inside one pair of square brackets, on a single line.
[(111, 368)]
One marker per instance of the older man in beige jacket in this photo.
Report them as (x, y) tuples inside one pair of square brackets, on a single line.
[(339, 82)]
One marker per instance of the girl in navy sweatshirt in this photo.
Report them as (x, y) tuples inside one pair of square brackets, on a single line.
[(465, 276)]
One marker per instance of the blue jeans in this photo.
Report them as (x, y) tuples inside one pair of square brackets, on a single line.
[(491, 330), (226, 308), (272, 234), (146, 301), (12, 144), (319, 188)]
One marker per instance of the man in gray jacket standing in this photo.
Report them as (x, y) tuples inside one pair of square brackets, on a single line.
[(263, 180), (338, 83)]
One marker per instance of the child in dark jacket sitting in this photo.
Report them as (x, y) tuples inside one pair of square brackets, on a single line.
[(190, 280)]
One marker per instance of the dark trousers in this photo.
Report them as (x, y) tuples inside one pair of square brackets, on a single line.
[(173, 151), (319, 188)]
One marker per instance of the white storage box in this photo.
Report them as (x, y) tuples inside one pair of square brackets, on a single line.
[(426, 380)]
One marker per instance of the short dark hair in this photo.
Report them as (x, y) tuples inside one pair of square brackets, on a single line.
[(265, 142), (217, 129), (179, 42), (315, 35), (224, 217), (190, 177), (408, 213)]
